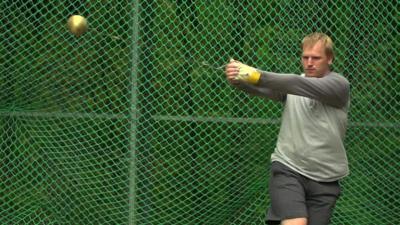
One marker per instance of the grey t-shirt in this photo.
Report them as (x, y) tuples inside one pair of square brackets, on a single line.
[(314, 122)]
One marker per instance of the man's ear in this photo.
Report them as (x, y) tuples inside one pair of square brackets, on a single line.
[(330, 61)]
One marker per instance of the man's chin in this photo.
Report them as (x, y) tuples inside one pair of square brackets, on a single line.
[(310, 74)]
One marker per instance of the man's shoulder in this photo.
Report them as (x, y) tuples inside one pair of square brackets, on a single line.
[(338, 79), (338, 76)]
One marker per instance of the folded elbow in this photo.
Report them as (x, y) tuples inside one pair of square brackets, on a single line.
[(342, 97)]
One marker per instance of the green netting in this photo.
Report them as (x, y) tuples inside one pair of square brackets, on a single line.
[(132, 124)]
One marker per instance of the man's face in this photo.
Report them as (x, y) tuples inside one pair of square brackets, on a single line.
[(315, 61)]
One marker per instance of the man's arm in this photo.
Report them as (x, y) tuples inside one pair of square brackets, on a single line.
[(235, 68), (332, 89)]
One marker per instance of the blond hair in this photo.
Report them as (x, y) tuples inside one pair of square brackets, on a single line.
[(313, 38)]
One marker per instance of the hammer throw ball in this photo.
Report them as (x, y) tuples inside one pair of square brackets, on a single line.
[(77, 25)]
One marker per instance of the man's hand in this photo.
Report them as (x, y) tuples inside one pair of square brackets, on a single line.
[(236, 71)]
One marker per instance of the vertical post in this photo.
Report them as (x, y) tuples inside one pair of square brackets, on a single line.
[(133, 113)]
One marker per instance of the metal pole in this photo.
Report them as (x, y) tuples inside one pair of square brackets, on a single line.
[(133, 113)]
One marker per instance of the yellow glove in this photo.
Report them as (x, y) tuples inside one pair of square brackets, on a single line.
[(248, 74)]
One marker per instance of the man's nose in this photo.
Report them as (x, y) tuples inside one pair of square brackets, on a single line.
[(310, 62)]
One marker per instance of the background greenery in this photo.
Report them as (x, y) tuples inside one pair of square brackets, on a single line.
[(126, 125)]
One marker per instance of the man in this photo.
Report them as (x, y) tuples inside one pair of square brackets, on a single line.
[(309, 158)]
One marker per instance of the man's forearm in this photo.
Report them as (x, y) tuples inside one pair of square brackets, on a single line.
[(331, 89)]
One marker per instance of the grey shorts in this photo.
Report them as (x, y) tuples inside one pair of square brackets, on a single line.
[(294, 195)]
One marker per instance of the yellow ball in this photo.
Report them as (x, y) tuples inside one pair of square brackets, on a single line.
[(77, 25)]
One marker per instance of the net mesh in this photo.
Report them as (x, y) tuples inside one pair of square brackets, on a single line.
[(132, 123)]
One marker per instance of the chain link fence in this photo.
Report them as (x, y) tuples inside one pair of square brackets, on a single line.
[(134, 123)]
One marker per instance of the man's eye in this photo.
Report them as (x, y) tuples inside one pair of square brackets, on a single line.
[(310, 57)]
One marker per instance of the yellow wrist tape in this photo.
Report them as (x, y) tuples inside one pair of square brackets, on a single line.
[(248, 74)]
